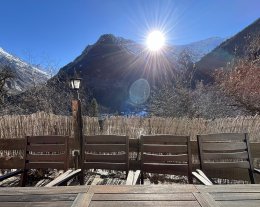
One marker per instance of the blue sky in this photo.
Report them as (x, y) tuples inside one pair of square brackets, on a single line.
[(55, 32)]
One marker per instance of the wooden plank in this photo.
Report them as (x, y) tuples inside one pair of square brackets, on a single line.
[(104, 158), (181, 169), (104, 139), (46, 157), (105, 147), (223, 137), (221, 165), (105, 165), (241, 188), (146, 189), (216, 156), (38, 198), (248, 203), (66, 178), (36, 204), (143, 203), (205, 200), (40, 190), (164, 158), (45, 165), (46, 148), (202, 179), (133, 177), (53, 182), (144, 197), (164, 139), (47, 139), (235, 196), (237, 146), (174, 149), (82, 200)]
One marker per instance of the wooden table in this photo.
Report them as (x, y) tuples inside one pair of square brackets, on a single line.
[(154, 195)]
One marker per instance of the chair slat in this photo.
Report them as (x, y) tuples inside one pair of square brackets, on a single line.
[(104, 158), (45, 165), (223, 137), (165, 139), (105, 147), (47, 148), (174, 149), (164, 158), (218, 156), (104, 139), (46, 158), (237, 146), (165, 168), (105, 165), (47, 139), (220, 165)]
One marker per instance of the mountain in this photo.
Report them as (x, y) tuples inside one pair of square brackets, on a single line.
[(25, 75), (119, 73), (110, 67), (238, 46), (113, 66)]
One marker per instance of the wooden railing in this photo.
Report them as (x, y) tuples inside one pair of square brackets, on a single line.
[(11, 151)]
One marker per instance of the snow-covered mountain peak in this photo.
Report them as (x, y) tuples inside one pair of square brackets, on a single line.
[(25, 74)]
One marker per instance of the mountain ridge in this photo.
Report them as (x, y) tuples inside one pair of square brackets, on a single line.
[(25, 75)]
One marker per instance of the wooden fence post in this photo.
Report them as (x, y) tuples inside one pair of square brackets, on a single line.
[(78, 133)]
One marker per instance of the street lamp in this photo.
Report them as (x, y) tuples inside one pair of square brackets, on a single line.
[(77, 124), (75, 84)]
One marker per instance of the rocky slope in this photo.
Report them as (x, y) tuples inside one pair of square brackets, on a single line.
[(25, 75)]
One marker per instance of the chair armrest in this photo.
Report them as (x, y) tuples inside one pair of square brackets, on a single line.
[(63, 178), (200, 177), (133, 177), (9, 175), (203, 175), (257, 170)]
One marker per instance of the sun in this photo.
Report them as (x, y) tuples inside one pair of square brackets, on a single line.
[(155, 41)]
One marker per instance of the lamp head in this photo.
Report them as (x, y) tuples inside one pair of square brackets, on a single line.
[(75, 83)]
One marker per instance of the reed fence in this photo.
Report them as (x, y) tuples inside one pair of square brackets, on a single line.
[(49, 124)]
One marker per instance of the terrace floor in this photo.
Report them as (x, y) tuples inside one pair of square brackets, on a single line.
[(146, 195)]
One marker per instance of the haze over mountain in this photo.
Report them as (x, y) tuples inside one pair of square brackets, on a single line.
[(25, 75)]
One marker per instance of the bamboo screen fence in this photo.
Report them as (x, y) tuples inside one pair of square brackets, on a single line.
[(49, 124)]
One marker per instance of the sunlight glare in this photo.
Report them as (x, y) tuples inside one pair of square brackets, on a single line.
[(155, 40)]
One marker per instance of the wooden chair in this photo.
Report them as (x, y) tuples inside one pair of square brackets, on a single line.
[(223, 151), (44, 152), (108, 152), (166, 154)]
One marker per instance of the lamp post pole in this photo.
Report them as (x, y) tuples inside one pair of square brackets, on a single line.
[(78, 126)]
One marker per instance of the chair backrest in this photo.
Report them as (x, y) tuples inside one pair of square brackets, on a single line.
[(225, 151), (166, 154), (43, 152), (106, 152)]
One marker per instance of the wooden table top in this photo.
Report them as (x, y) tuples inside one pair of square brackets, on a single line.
[(147, 195)]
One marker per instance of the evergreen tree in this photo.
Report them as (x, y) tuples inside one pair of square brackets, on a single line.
[(94, 107)]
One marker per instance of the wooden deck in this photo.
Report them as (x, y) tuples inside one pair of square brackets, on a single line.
[(154, 195)]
